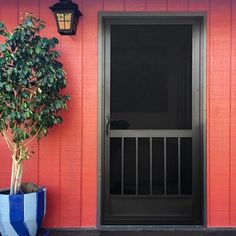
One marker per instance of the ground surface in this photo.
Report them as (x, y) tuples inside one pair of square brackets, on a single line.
[(211, 232)]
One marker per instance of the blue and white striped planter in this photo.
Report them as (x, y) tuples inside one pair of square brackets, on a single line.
[(22, 214)]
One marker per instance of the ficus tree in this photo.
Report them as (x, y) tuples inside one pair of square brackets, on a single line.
[(31, 80)]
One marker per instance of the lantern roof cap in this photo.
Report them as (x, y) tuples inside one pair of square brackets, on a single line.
[(66, 5)]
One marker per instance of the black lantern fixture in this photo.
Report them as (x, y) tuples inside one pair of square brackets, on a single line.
[(67, 16)]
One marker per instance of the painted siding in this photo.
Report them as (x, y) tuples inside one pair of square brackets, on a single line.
[(219, 112), (66, 161), (233, 120)]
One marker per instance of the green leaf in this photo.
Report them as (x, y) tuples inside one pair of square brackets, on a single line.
[(45, 130), (2, 26), (3, 47), (9, 71), (39, 73), (24, 81), (55, 40), (27, 114), (37, 50), (51, 79), (24, 105), (29, 23), (8, 88)]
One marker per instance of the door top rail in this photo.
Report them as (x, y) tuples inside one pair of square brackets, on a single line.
[(151, 133)]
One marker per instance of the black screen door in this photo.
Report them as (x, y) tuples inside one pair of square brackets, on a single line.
[(151, 171)]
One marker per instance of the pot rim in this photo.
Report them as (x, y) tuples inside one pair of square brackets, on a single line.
[(4, 190)]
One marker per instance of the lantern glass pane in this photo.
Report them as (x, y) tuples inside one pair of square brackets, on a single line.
[(61, 25), (68, 16), (67, 25), (60, 17)]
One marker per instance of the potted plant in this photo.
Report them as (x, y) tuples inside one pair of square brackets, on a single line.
[(31, 80)]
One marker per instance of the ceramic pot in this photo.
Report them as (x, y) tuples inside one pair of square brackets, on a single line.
[(22, 214)]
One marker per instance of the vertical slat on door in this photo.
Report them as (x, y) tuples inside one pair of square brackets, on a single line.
[(179, 167), (165, 173), (150, 140), (136, 147), (122, 166)]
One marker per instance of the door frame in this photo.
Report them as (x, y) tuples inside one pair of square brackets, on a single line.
[(103, 17)]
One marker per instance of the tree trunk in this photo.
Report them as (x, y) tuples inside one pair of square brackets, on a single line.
[(16, 174), (13, 176)]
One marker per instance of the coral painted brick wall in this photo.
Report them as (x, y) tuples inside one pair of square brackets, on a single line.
[(66, 161)]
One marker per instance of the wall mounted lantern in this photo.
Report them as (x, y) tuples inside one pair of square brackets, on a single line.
[(67, 16)]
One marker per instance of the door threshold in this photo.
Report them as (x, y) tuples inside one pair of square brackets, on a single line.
[(152, 227)]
